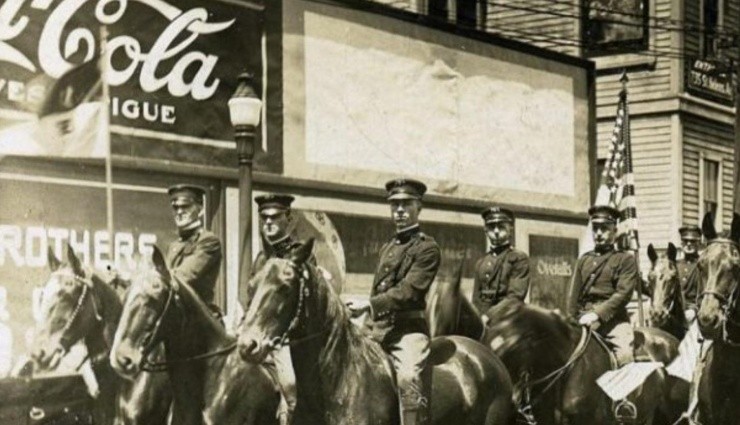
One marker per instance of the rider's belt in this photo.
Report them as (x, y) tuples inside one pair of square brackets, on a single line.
[(406, 315)]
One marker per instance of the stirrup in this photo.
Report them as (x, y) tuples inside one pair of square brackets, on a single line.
[(625, 412)]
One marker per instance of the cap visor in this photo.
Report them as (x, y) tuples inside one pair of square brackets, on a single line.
[(272, 210), (396, 196), (498, 220), (602, 220)]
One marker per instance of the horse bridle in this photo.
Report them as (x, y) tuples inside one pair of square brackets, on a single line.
[(86, 285), (152, 337), (303, 294), (726, 302)]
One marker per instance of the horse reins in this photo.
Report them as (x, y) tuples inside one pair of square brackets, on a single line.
[(552, 377), (152, 339), (727, 302)]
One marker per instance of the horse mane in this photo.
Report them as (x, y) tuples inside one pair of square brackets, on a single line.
[(201, 308), (540, 329), (347, 349)]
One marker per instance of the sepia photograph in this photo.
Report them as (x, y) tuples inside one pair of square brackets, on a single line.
[(369, 212)]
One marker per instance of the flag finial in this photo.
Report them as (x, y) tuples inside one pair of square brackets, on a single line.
[(624, 79)]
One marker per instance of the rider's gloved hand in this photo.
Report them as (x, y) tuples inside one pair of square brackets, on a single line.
[(590, 319), (690, 315)]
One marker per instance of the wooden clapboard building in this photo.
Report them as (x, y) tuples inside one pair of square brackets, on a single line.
[(677, 54)]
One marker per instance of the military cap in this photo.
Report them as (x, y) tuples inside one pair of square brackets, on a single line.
[(276, 201), (190, 191), (497, 214), (690, 233), (405, 189), (603, 214)]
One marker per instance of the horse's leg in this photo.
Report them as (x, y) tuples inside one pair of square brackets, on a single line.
[(500, 412)]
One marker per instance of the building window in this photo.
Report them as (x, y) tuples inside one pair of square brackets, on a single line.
[(614, 26), (710, 190), (711, 20), (466, 13)]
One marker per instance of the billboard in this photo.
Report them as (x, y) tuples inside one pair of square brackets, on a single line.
[(171, 66), (369, 96)]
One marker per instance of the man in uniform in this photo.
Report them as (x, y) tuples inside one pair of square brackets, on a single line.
[(279, 242), (407, 266), (603, 283), (690, 240), (195, 258), (504, 271)]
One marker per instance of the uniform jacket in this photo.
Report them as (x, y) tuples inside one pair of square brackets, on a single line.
[(195, 259), (406, 269), (689, 278), (501, 273), (614, 278)]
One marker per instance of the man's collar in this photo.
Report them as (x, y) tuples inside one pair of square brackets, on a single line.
[(691, 257), (282, 244), (407, 232), (603, 249), (499, 248), (189, 230)]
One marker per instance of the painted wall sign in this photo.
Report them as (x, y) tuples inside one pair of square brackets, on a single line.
[(708, 79), (171, 65)]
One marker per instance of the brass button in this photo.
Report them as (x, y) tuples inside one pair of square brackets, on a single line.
[(489, 263), (488, 274)]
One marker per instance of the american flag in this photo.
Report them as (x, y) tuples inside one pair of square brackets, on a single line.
[(617, 187)]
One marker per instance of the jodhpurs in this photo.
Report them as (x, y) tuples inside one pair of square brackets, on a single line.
[(409, 354)]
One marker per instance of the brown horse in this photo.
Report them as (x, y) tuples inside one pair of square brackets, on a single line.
[(666, 303), (448, 312), (556, 363), (719, 320), (344, 377), (211, 384), (80, 306)]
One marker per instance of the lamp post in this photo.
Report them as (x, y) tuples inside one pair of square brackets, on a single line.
[(245, 109)]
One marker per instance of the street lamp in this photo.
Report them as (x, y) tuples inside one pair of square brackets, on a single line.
[(245, 109)]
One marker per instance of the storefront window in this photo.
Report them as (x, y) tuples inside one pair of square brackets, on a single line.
[(615, 26)]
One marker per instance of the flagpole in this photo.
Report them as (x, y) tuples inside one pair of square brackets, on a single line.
[(633, 243), (105, 126)]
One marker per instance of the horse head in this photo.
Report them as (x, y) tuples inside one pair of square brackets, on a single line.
[(719, 271), (69, 310), (145, 315), (277, 302), (664, 284), (519, 333)]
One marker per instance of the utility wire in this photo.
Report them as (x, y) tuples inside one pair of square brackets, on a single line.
[(685, 25), (550, 12)]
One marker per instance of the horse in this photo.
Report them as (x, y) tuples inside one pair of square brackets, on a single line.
[(666, 303), (79, 306), (211, 384), (342, 375), (719, 320), (556, 362)]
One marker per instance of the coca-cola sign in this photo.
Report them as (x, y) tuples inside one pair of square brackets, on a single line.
[(171, 66)]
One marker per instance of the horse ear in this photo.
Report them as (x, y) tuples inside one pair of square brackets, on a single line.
[(652, 255), (52, 259), (158, 260), (300, 255), (672, 251), (707, 226), (735, 228), (74, 262)]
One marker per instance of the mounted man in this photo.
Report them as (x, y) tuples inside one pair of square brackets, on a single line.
[(687, 272), (406, 269), (603, 283), (504, 271), (279, 241), (195, 257)]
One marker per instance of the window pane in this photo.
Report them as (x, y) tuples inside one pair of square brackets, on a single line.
[(615, 26), (711, 20), (711, 177)]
